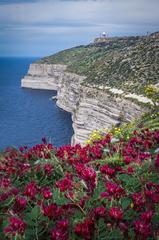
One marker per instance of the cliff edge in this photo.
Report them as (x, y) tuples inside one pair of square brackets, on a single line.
[(91, 108), (99, 83)]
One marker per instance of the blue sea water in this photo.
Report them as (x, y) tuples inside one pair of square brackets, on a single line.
[(28, 115)]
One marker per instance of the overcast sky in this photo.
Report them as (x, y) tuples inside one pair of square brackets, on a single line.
[(43, 27)]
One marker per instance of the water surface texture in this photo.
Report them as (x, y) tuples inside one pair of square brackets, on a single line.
[(28, 115)]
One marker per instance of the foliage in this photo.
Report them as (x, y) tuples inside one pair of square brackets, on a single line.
[(108, 189), (152, 92), (149, 120)]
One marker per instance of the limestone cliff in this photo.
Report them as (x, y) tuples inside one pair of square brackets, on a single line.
[(91, 108), (43, 76), (68, 94), (98, 109)]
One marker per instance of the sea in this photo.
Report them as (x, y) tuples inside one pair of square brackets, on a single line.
[(26, 115)]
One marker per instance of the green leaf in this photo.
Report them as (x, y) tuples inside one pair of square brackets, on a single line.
[(59, 197), (124, 178), (102, 229), (29, 234), (155, 219), (125, 202), (130, 214), (8, 202), (132, 234), (116, 234), (35, 212)]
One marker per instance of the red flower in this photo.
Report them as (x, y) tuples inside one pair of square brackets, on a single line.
[(96, 151), (48, 168), (20, 204), (21, 149), (123, 227), (85, 229), (64, 184), (116, 213), (61, 231), (128, 159), (138, 200), (63, 225), (31, 190), (146, 216), (156, 136), (155, 197), (4, 196), (5, 182), (52, 211), (104, 195), (16, 226), (57, 235), (149, 193), (100, 212), (130, 170), (47, 194), (88, 175), (14, 191), (142, 229), (44, 140), (107, 170), (24, 168), (157, 161), (114, 190)]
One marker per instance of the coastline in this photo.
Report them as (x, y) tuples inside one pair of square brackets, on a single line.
[(91, 108)]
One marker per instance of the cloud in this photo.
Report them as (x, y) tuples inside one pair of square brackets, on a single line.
[(2, 2), (29, 1), (108, 11), (73, 21)]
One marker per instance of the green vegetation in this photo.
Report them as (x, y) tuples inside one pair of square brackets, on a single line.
[(149, 120), (153, 94), (108, 189), (127, 63)]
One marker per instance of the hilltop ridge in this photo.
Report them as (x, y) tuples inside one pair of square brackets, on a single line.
[(128, 63)]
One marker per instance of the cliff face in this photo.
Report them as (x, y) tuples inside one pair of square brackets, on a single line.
[(68, 94), (43, 76), (97, 110), (91, 108)]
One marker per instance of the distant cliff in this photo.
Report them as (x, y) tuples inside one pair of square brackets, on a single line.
[(44, 76), (100, 82)]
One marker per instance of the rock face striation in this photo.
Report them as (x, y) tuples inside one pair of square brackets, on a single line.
[(97, 109), (43, 76), (91, 108)]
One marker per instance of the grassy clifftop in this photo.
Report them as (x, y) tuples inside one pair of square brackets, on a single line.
[(128, 63)]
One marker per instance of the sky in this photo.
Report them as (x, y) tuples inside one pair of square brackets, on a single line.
[(43, 27)]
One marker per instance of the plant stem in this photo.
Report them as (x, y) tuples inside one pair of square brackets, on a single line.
[(36, 231)]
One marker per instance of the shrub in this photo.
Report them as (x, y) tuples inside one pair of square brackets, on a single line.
[(152, 92), (106, 190)]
